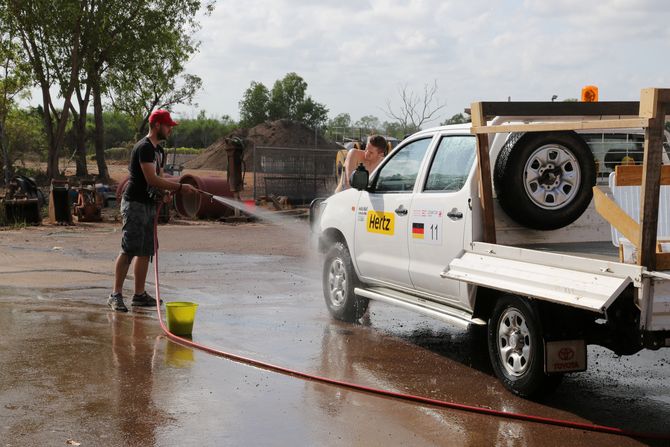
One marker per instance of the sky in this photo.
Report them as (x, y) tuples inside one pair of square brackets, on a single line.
[(356, 55)]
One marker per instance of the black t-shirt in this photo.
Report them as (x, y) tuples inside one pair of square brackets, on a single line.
[(143, 152)]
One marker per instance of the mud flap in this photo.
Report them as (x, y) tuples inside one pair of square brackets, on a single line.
[(564, 356)]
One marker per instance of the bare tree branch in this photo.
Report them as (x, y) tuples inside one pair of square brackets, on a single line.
[(415, 110)]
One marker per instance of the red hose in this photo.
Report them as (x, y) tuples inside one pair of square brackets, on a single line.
[(387, 393)]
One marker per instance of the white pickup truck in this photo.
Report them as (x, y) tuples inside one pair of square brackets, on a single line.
[(551, 284)]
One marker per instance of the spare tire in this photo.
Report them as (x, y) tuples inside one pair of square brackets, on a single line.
[(544, 180)]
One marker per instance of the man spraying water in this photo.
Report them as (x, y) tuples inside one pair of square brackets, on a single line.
[(138, 207)]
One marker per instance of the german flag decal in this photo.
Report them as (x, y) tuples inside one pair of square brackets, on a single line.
[(417, 230)]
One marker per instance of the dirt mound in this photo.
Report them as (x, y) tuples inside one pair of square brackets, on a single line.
[(280, 133)]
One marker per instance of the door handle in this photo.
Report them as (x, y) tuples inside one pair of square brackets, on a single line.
[(401, 211), (455, 214)]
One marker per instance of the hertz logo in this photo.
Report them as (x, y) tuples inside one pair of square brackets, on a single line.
[(380, 222)]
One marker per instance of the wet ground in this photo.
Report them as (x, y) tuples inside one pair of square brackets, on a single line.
[(75, 372)]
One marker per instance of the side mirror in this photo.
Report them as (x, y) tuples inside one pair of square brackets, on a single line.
[(359, 178)]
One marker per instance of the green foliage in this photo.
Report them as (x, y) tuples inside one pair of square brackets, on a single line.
[(286, 96), (149, 70), (459, 118), (123, 153), (197, 133), (343, 120), (286, 100), (200, 132), (394, 129), (14, 81), (119, 129), (254, 105), (25, 135), (51, 35), (14, 71), (370, 123), (312, 113), (341, 129), (134, 51)]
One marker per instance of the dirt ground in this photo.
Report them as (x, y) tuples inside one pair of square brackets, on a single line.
[(73, 372)]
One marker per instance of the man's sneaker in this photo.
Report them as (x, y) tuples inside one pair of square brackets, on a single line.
[(144, 300), (115, 301)]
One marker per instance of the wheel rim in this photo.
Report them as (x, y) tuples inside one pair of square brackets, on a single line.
[(337, 282), (514, 342), (552, 176)]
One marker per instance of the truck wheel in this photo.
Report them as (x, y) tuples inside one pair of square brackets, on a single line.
[(516, 348), (544, 180), (339, 280)]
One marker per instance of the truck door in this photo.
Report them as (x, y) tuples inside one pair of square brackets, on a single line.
[(381, 233), (438, 216)]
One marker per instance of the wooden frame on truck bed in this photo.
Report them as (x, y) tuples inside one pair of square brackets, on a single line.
[(648, 114)]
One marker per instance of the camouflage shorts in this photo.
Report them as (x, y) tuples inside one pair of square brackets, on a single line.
[(138, 228)]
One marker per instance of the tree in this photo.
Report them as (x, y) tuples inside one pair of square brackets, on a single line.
[(459, 118), (118, 129), (200, 132), (339, 127), (254, 105), (369, 123), (415, 109), (50, 32), (393, 129), (288, 101), (142, 88), (341, 121), (146, 70), (311, 113), (286, 96), (14, 79), (25, 135)]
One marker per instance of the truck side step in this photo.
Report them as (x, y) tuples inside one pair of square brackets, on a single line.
[(420, 305)]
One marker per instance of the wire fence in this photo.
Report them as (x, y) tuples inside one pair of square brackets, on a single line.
[(300, 174)]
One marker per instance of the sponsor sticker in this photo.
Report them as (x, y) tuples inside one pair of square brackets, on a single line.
[(362, 213), (380, 222), (427, 226)]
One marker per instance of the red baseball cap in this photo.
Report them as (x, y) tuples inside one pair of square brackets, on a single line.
[(161, 116)]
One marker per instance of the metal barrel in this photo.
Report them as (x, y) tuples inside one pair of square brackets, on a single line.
[(201, 206)]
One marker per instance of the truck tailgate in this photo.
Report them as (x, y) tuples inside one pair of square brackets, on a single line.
[(585, 283)]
